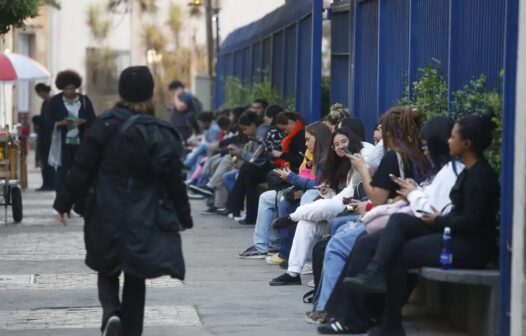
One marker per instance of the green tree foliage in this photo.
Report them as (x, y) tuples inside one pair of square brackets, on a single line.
[(429, 93), (430, 97), (14, 12), (238, 93)]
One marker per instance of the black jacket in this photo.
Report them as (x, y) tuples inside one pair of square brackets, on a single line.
[(132, 182), (293, 156), (55, 110)]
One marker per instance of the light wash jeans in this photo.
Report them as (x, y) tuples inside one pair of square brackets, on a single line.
[(264, 236), (337, 252)]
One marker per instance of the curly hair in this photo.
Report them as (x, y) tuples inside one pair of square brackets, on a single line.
[(401, 132), (335, 168), (68, 77)]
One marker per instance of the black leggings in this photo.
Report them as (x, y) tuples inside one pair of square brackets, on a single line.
[(131, 310), (248, 178), (405, 243)]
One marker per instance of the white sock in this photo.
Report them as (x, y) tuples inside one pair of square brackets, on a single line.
[(292, 274)]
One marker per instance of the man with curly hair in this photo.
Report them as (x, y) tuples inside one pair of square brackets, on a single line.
[(71, 113)]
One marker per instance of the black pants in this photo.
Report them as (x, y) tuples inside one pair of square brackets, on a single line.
[(68, 157), (407, 243), (130, 309), (248, 178), (48, 172)]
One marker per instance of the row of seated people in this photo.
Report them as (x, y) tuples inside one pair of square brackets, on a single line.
[(364, 214)]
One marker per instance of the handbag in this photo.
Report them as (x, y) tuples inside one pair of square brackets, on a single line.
[(55, 150), (275, 182), (293, 194)]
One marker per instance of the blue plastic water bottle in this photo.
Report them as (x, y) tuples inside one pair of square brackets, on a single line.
[(446, 257)]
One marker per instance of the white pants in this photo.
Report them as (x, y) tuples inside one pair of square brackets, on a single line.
[(310, 229), (320, 210)]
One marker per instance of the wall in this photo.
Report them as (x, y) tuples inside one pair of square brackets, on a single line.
[(379, 45)]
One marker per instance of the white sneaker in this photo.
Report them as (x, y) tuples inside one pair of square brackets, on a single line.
[(307, 269)]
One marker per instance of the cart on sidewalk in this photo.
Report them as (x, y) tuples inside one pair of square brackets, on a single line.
[(11, 194)]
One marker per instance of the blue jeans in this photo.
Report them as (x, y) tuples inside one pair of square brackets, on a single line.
[(337, 252), (264, 236), (229, 179), (287, 235), (335, 223)]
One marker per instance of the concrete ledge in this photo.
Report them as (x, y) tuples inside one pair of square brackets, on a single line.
[(488, 278)]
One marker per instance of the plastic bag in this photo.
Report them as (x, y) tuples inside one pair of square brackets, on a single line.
[(55, 150)]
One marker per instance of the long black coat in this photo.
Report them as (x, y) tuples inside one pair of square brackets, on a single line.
[(128, 182)]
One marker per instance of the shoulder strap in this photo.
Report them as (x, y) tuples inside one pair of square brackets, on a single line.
[(125, 125), (400, 165)]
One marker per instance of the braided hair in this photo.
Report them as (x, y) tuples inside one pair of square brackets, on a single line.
[(400, 129)]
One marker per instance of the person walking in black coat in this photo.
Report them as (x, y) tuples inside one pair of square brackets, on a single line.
[(128, 176), (72, 113), (44, 140)]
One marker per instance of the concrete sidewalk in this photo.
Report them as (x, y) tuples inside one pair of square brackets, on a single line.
[(45, 288)]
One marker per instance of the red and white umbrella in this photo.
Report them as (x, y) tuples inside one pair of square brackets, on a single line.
[(19, 67)]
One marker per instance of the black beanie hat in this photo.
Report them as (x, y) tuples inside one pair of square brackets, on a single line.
[(136, 84)]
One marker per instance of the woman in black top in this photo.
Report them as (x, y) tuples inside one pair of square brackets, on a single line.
[(409, 242)]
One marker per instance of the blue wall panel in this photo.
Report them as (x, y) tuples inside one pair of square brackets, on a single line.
[(477, 41), (256, 61), (365, 105), (393, 51), (289, 79), (340, 54), (238, 64), (278, 61), (247, 71), (429, 35), (303, 76), (267, 58)]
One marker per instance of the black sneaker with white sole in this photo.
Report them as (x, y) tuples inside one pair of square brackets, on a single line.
[(113, 327), (203, 190), (210, 211), (252, 253)]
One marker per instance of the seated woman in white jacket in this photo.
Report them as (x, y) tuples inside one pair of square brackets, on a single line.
[(337, 174), (433, 193), (404, 143)]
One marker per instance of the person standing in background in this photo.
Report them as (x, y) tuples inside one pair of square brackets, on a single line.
[(184, 111), (72, 113), (44, 140)]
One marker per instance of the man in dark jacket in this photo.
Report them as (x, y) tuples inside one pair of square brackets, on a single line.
[(128, 175)]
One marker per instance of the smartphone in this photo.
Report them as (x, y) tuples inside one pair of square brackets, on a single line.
[(347, 150), (347, 200), (393, 177), (422, 211)]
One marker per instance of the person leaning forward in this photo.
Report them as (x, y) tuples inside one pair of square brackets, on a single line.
[(128, 176)]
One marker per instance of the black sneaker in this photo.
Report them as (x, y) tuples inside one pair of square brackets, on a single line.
[(210, 211), (222, 211), (245, 222), (285, 280), (282, 223), (113, 326), (368, 281), (194, 196), (252, 253), (203, 190)]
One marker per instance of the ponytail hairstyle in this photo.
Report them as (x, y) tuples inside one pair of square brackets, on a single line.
[(322, 143), (336, 114), (400, 132), (479, 130), (436, 132)]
